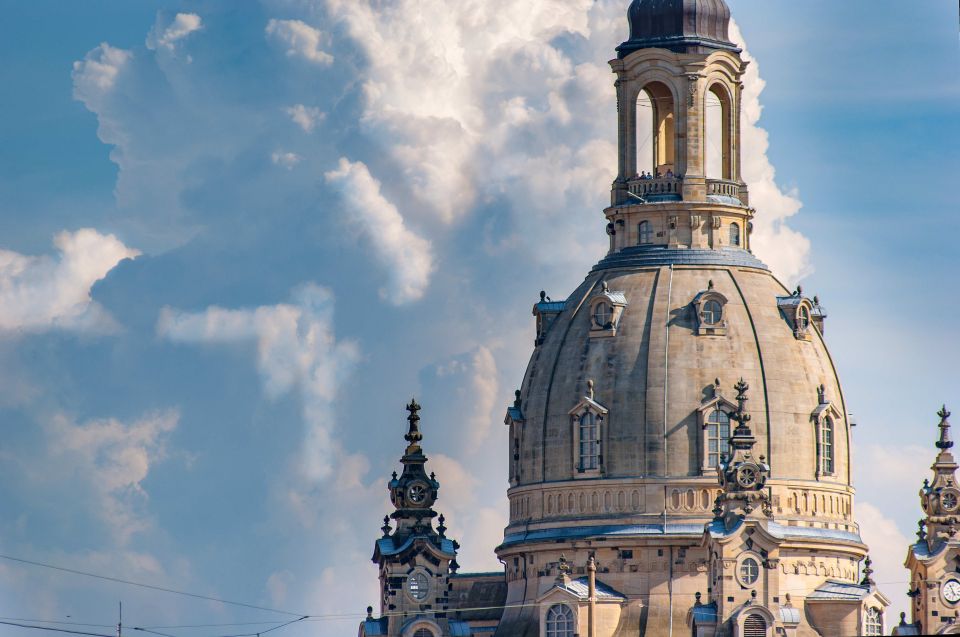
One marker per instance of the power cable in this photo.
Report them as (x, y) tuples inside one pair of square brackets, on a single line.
[(56, 630), (161, 589)]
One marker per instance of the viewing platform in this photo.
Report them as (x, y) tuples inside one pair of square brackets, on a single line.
[(665, 189)]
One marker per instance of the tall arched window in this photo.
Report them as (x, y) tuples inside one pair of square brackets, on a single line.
[(716, 133), (754, 626), (589, 442), (826, 446), (718, 437), (559, 621), (873, 624), (655, 139), (734, 234), (644, 233)]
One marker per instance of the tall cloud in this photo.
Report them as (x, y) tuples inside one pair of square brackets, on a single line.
[(407, 257), (166, 35), (96, 74), (296, 350), (53, 292)]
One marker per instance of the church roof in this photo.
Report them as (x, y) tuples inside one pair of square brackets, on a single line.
[(388, 545), (372, 627), (581, 589), (833, 590)]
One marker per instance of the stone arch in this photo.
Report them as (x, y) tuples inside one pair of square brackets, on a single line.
[(718, 131), (655, 132)]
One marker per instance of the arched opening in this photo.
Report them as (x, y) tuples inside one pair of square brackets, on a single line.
[(424, 632), (716, 133), (826, 446), (754, 626), (735, 234), (644, 233), (656, 138)]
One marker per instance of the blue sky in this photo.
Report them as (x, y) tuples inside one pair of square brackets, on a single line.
[(235, 238)]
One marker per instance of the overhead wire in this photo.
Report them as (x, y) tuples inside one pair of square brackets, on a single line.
[(55, 630)]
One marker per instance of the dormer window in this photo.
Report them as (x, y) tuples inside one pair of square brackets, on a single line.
[(802, 313), (645, 233), (588, 420), (606, 308), (714, 418), (825, 418), (709, 307)]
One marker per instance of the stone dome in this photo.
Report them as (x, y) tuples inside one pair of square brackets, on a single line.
[(683, 26), (653, 381)]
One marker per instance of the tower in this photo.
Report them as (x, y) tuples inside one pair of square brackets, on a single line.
[(415, 559), (934, 561), (626, 458)]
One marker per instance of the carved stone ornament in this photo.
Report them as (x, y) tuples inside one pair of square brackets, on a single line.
[(692, 80), (695, 221), (717, 222)]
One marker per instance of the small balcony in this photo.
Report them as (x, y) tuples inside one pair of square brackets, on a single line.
[(665, 189)]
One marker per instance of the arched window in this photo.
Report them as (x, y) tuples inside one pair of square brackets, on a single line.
[(644, 233), (424, 632), (826, 446), (589, 442), (734, 234), (712, 312), (803, 318), (754, 626), (559, 621), (718, 437), (873, 624)]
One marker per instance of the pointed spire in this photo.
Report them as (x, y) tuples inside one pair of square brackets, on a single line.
[(944, 442), (867, 573), (413, 435)]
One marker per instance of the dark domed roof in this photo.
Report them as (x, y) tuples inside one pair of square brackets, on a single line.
[(683, 26)]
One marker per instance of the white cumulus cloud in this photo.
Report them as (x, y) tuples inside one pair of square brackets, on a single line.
[(407, 256), (96, 74), (165, 36), (115, 458), (306, 117), (301, 40), (296, 350), (53, 292), (888, 550)]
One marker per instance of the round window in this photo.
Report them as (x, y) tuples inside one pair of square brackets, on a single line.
[(949, 500), (712, 312), (418, 586), (602, 315), (749, 571)]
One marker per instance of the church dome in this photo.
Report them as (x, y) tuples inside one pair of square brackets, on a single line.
[(651, 345), (683, 26)]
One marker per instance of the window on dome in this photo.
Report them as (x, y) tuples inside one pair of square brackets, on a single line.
[(749, 571), (589, 442), (424, 632), (560, 621), (645, 233), (603, 315), (873, 624), (826, 446), (718, 437), (803, 318), (734, 234), (712, 312)]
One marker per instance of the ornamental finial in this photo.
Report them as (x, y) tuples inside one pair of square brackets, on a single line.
[(441, 529), (516, 399), (590, 389), (944, 442), (741, 415), (386, 526), (413, 435)]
